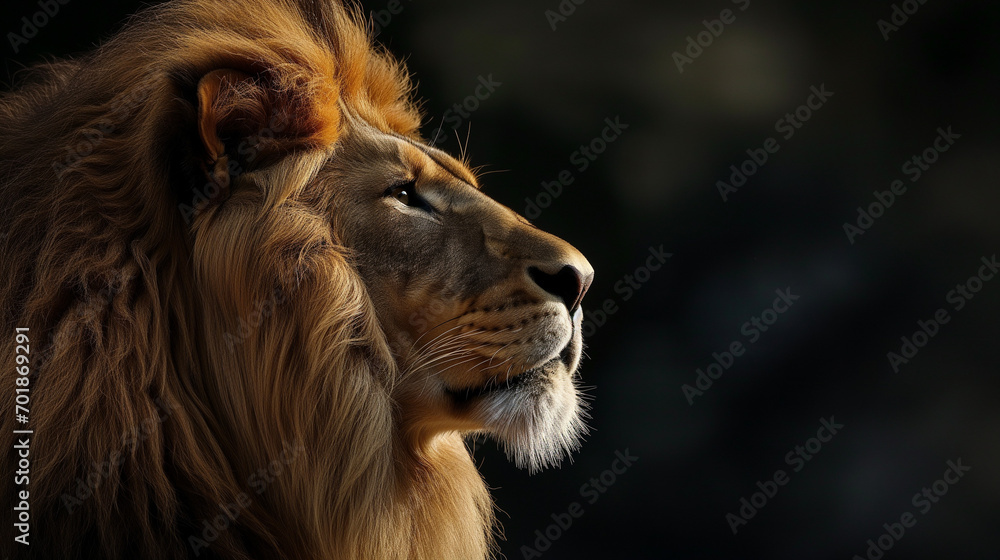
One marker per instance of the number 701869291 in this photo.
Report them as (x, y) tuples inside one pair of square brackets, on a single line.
[(22, 360)]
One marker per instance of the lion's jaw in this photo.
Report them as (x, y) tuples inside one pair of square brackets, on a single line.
[(539, 416), (475, 302)]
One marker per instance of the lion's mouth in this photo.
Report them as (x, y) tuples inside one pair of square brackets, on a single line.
[(492, 387), (534, 376)]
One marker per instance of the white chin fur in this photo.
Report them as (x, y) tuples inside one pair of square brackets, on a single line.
[(539, 423)]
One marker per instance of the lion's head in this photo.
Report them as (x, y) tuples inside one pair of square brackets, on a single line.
[(481, 308), (266, 312)]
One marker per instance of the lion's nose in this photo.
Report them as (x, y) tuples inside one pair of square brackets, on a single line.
[(569, 284)]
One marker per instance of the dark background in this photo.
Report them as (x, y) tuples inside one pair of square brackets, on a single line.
[(656, 185)]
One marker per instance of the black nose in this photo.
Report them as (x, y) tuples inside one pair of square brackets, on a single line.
[(568, 284)]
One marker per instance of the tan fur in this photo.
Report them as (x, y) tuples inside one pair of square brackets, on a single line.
[(202, 310), (103, 358)]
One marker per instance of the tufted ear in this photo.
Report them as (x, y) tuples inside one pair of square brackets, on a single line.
[(247, 121)]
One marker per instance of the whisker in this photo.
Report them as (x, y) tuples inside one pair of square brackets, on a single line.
[(441, 343), (430, 345), (474, 331), (443, 357), (430, 330)]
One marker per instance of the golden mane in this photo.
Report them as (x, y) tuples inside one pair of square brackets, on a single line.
[(210, 381)]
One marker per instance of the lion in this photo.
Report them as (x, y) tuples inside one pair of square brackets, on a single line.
[(261, 315)]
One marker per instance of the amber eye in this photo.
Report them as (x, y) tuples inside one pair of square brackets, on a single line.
[(407, 194), (402, 193)]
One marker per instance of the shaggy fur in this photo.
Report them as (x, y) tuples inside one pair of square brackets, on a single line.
[(214, 374), (132, 318)]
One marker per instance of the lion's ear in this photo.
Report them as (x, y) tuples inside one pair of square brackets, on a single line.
[(246, 121)]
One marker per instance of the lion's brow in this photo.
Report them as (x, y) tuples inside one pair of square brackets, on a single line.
[(431, 152)]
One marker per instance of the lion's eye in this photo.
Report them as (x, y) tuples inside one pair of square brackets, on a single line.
[(407, 194), (401, 193)]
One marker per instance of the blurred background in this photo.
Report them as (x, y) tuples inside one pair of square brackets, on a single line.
[(640, 110)]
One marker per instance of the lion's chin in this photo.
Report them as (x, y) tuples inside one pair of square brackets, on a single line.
[(537, 417), (538, 424)]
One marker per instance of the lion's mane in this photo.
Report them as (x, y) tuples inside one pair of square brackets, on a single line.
[(209, 380)]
